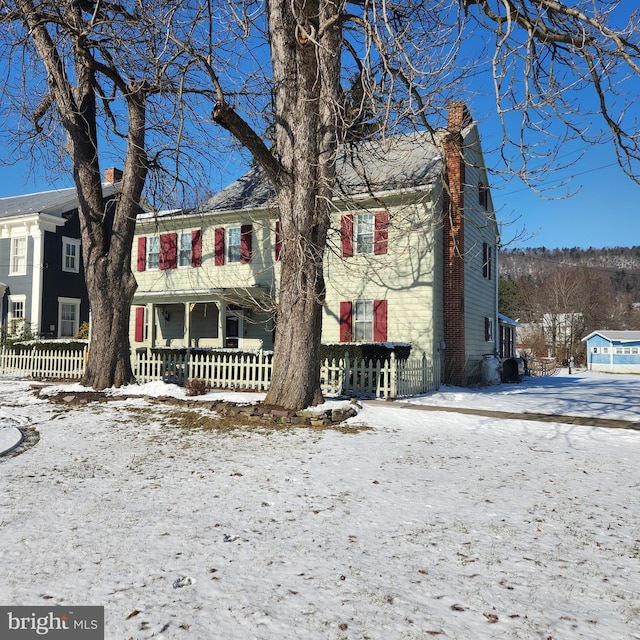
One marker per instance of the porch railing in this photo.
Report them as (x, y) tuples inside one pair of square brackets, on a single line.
[(239, 371)]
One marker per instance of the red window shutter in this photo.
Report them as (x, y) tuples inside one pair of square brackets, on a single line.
[(381, 232), (246, 233), (346, 332), (142, 253), (278, 246), (346, 230), (196, 248), (219, 247), (380, 320), (168, 251), (139, 332)]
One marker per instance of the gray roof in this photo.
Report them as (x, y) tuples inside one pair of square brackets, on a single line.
[(616, 336), (54, 202), (391, 163)]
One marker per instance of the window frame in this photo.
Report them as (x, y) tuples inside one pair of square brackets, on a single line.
[(75, 304), (360, 335), (75, 243), (185, 249), (233, 252), (364, 240), (18, 268), (151, 241), (12, 319)]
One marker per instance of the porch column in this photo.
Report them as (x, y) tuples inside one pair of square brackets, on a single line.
[(151, 319), (222, 322), (187, 324)]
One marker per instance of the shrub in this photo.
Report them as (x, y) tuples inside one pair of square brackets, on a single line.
[(365, 350), (195, 387)]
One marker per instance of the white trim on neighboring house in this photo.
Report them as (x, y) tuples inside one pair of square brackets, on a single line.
[(75, 243), (36, 280), (16, 299), (75, 302)]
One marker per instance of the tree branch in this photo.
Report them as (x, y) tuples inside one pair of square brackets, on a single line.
[(224, 115)]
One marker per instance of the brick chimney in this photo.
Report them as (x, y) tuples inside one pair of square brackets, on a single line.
[(453, 229), (112, 175)]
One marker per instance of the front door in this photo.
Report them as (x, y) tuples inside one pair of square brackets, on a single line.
[(233, 332)]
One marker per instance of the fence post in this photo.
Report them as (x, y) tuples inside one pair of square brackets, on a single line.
[(393, 375)]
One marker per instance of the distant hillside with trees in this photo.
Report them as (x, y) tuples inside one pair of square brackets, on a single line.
[(594, 288)]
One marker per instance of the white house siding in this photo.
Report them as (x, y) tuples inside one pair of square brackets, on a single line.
[(405, 276), (480, 285), (207, 292)]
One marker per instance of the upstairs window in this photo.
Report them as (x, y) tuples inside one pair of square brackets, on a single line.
[(184, 249), (487, 261), (483, 195), (153, 252), (233, 245), (18, 256), (364, 233), (71, 255)]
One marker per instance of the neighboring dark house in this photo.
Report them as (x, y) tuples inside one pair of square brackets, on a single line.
[(41, 267)]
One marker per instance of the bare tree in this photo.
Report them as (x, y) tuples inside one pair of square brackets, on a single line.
[(100, 81), (277, 73)]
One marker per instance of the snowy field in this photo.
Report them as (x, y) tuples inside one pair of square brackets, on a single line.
[(423, 524)]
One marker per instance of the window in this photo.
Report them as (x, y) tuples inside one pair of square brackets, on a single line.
[(71, 255), (153, 252), (605, 349), (483, 195), (184, 249), (18, 256), (68, 317), (233, 245), (16, 319), (618, 351), (364, 233), (486, 260), (363, 321), (488, 329), (634, 351)]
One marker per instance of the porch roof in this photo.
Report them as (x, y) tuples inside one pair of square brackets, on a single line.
[(244, 296)]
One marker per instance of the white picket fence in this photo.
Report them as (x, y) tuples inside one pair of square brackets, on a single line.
[(43, 364), (239, 371)]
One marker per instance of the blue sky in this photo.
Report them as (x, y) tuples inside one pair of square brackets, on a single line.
[(603, 213)]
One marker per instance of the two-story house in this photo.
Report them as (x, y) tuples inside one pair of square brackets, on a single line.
[(41, 267), (411, 256)]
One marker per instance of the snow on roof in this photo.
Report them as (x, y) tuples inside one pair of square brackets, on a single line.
[(390, 163), (615, 336), (55, 202)]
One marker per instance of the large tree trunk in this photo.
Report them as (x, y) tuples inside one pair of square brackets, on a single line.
[(107, 255), (107, 236), (305, 52)]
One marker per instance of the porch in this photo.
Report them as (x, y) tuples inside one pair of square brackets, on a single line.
[(228, 319)]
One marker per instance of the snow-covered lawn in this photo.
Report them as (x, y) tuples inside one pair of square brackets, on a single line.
[(424, 524)]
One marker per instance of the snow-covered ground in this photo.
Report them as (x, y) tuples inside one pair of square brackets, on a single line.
[(425, 524)]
